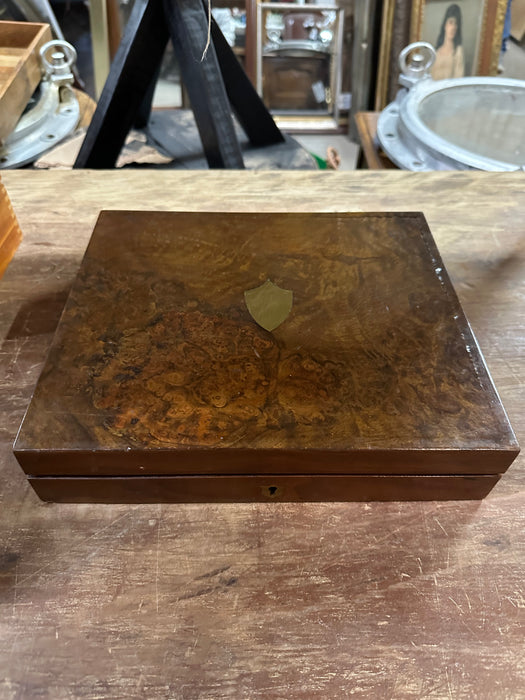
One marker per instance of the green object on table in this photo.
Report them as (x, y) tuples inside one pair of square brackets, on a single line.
[(321, 162)]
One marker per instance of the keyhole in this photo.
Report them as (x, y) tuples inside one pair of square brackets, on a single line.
[(272, 490)]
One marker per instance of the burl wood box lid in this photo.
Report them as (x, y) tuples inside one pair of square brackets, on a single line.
[(158, 368)]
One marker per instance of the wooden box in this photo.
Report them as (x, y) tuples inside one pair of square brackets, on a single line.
[(10, 233), (161, 386), (20, 69)]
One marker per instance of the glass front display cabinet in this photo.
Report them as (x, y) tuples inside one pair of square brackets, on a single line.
[(299, 50)]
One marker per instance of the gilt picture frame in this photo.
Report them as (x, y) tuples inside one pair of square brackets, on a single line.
[(395, 29), (383, 72), (481, 29)]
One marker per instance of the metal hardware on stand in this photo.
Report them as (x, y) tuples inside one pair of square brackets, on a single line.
[(450, 124), (53, 112), (415, 62)]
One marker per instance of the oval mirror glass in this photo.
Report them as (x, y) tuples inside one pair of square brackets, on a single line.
[(488, 120)]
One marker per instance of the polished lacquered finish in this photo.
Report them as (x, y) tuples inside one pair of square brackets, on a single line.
[(158, 369)]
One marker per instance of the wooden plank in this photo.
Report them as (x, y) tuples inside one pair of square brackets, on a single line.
[(19, 35), (10, 58), (8, 52)]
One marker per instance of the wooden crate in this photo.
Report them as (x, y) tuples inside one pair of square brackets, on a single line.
[(20, 69), (10, 233), (160, 385)]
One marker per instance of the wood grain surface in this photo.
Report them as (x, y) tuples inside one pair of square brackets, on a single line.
[(157, 366), (248, 488), (394, 600)]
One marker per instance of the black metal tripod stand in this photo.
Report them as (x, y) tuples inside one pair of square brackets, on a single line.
[(215, 85)]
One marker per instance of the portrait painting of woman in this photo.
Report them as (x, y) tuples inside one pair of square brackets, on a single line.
[(450, 62), (454, 28), (466, 35)]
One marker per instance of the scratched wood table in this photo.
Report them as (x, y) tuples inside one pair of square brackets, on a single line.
[(267, 600)]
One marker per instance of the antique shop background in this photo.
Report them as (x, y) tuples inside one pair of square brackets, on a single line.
[(315, 66)]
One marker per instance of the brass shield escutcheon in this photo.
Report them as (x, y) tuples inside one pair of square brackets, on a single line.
[(269, 305)]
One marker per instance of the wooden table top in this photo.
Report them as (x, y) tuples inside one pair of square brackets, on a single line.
[(398, 600)]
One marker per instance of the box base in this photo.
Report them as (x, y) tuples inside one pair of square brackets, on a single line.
[(242, 489)]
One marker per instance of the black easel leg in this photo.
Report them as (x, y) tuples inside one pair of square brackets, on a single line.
[(249, 108), (144, 111), (188, 26), (137, 59)]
